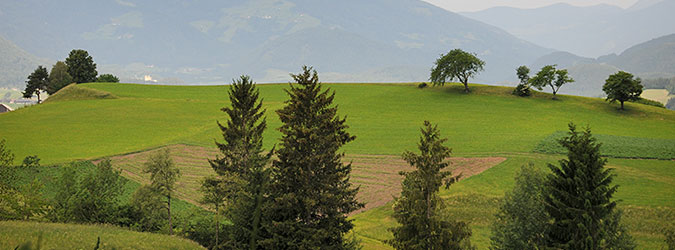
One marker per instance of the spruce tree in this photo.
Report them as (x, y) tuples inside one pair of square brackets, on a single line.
[(418, 210), (241, 168), (311, 192), (578, 196)]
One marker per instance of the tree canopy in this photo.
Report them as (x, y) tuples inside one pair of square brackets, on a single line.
[(58, 77), (456, 64), (81, 66), (163, 175), (549, 76), (107, 78), (311, 192), (418, 209), (622, 87), (37, 82)]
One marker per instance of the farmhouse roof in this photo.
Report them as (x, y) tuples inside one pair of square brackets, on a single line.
[(4, 108)]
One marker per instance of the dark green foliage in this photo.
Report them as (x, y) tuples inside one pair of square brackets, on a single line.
[(81, 66), (522, 221), (147, 205), (670, 238), (578, 196), (616, 146), (311, 194), (422, 85), (648, 102), (31, 161), (163, 176), (456, 64), (243, 176), (200, 226), (107, 78), (6, 155), (522, 90), (94, 198), (622, 87), (37, 82), (549, 76), (58, 77), (418, 208), (523, 73), (617, 237)]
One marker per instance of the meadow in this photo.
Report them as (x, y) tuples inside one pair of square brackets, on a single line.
[(489, 123)]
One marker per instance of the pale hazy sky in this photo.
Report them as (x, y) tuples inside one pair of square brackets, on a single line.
[(475, 5)]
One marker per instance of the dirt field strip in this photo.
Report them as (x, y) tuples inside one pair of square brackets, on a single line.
[(376, 175)]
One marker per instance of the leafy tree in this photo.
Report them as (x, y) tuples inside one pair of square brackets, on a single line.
[(456, 64), (37, 82), (242, 165), (522, 221), (81, 66), (418, 208), (310, 189), (30, 202), (523, 89), (58, 77), (549, 76), (98, 196), (147, 206), (578, 196), (523, 73), (163, 176), (67, 186), (622, 87), (107, 78)]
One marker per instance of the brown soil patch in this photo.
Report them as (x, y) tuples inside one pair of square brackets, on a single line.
[(377, 176)]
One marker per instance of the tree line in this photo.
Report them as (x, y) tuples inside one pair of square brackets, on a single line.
[(79, 67), (460, 65)]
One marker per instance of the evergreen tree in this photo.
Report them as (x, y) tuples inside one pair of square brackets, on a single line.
[(242, 167), (521, 221), (37, 82), (163, 177), (58, 77), (81, 66), (310, 189), (578, 196), (418, 210)]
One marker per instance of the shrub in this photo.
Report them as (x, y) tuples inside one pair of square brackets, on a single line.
[(31, 161), (422, 85), (522, 90), (107, 78)]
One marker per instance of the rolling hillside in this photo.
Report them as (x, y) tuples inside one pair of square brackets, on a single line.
[(491, 133)]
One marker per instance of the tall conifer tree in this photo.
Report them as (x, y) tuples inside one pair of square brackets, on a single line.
[(418, 210), (311, 191), (578, 197), (242, 164)]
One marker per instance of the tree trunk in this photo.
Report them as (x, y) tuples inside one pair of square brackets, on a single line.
[(217, 227), (621, 105), (466, 87), (168, 209), (256, 220), (38, 95)]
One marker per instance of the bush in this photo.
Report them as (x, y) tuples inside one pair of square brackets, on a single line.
[(31, 161), (107, 78), (422, 85), (522, 90), (649, 102)]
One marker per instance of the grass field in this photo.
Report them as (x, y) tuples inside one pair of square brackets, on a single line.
[(489, 123), (384, 117), (69, 236)]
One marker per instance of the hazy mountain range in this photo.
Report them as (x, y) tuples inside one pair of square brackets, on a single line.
[(587, 31), (211, 42), (214, 41)]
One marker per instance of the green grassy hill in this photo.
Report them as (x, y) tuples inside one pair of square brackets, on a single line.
[(69, 236), (489, 122)]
